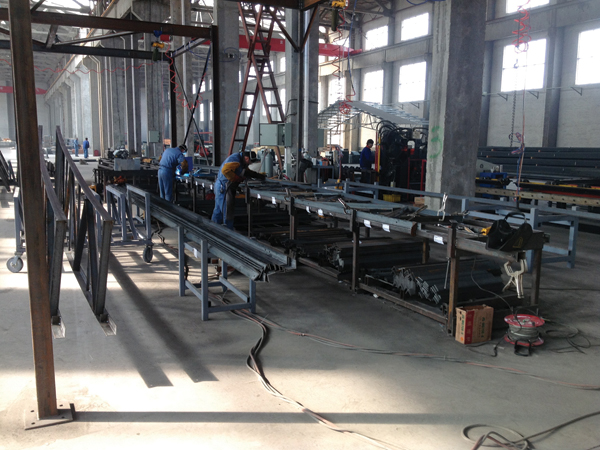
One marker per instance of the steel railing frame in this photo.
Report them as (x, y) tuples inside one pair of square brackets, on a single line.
[(89, 232)]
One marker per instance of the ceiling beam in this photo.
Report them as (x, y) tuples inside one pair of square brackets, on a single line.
[(84, 50), (106, 23), (96, 38), (386, 11)]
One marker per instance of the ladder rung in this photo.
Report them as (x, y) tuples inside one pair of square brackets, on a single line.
[(249, 93), (245, 109)]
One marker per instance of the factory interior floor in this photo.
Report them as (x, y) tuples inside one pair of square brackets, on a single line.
[(169, 380)]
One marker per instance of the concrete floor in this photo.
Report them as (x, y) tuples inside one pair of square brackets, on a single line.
[(169, 380)]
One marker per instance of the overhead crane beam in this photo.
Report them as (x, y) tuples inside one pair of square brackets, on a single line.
[(106, 23)]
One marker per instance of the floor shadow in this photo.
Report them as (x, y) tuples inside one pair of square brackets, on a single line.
[(185, 354), (252, 417)]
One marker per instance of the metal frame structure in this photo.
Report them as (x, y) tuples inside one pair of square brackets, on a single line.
[(358, 215), (494, 209), (7, 175), (56, 230), (90, 232), (205, 238), (124, 221)]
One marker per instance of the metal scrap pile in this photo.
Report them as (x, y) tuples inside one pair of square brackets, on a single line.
[(480, 279)]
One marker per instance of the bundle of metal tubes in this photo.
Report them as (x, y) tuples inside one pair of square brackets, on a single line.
[(375, 253), (432, 281), (246, 255), (310, 242)]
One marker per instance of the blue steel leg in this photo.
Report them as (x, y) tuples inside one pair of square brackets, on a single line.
[(204, 272), (123, 207), (181, 251)]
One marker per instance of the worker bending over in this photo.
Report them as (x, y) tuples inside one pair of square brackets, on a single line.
[(233, 171), (169, 161)]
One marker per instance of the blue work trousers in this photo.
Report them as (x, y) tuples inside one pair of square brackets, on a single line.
[(166, 178), (224, 200)]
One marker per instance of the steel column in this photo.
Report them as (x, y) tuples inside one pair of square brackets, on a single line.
[(31, 188)]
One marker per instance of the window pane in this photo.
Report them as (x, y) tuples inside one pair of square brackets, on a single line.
[(524, 70), (513, 5), (282, 64), (336, 90), (588, 58), (201, 106), (412, 82), (282, 98), (415, 27), (373, 87), (375, 38)]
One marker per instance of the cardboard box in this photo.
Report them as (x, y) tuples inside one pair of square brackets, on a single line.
[(474, 324)]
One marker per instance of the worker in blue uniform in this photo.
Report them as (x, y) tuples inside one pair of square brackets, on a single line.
[(233, 171), (169, 161), (367, 158)]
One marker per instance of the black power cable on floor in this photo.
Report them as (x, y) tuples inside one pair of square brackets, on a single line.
[(253, 364), (520, 444)]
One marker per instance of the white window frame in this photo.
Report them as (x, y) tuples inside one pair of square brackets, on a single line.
[(524, 69), (409, 27), (588, 57), (411, 86)]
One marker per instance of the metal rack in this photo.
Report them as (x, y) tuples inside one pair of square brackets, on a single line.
[(368, 215)]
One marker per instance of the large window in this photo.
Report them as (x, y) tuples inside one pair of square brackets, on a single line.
[(336, 90), (373, 86), (513, 5), (524, 69), (414, 27), (201, 108), (282, 64), (588, 57), (375, 38), (282, 98), (412, 82)]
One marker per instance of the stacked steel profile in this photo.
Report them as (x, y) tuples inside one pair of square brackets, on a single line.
[(248, 256)]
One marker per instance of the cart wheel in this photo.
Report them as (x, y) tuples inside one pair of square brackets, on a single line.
[(14, 264), (147, 255)]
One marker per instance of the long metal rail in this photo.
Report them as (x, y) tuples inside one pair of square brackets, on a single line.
[(247, 256)]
